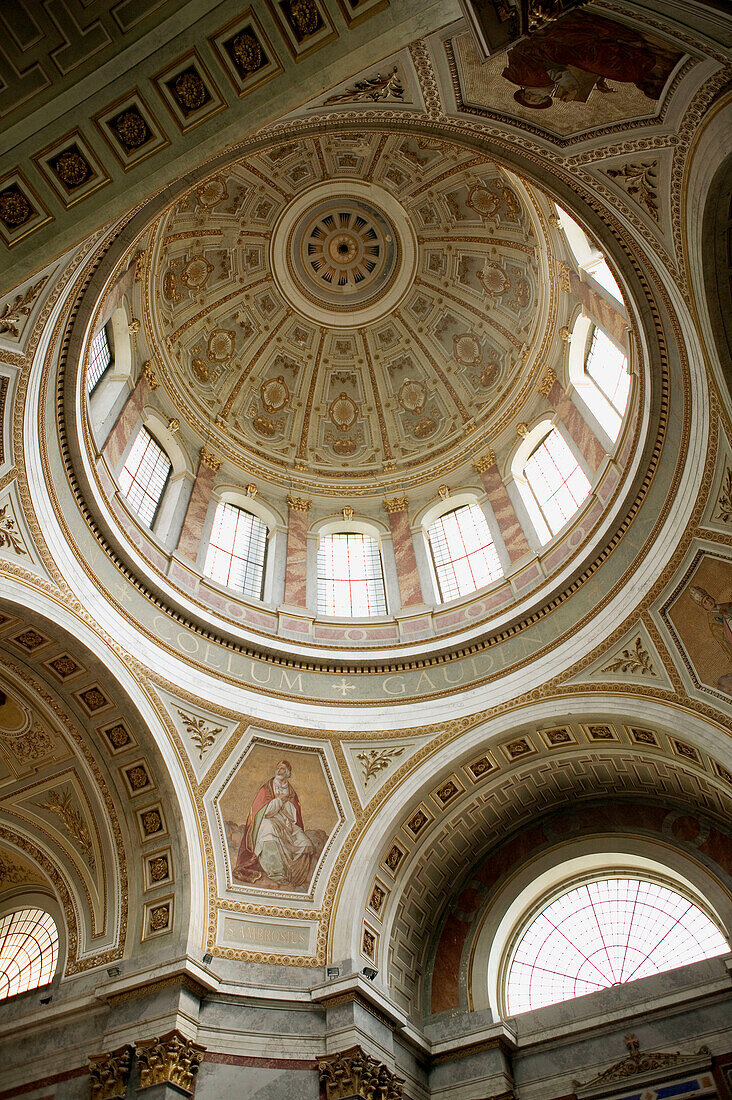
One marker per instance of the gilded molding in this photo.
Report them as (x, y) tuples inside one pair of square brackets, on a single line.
[(547, 381), (150, 374), (299, 504), (209, 459), (109, 1073), (169, 1059)]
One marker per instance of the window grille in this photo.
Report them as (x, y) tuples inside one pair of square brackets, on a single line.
[(463, 552), (28, 951), (144, 475), (237, 550), (100, 358), (350, 578), (556, 481), (606, 932), (608, 368)]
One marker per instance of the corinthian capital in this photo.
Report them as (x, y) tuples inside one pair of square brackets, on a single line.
[(299, 504), (109, 1073), (171, 1058), (354, 1074)]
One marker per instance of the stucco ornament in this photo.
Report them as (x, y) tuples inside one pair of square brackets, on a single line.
[(354, 1074), (639, 1062), (109, 1073), (171, 1058)]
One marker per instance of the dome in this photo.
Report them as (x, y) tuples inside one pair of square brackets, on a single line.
[(353, 311)]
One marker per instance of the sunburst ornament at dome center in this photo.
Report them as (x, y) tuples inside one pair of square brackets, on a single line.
[(346, 258)]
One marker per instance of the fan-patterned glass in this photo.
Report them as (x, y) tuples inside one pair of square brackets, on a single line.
[(606, 932), (28, 951)]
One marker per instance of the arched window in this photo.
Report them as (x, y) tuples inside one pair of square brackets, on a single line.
[(100, 359), (350, 577), (463, 552), (28, 951), (237, 550), (556, 482), (608, 368), (143, 477), (606, 932)]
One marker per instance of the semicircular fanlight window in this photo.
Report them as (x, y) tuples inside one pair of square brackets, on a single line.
[(28, 951), (604, 933)]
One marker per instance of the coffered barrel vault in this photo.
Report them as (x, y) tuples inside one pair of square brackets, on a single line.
[(365, 551)]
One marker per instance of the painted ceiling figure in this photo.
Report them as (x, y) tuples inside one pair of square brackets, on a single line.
[(581, 52), (720, 623), (275, 844)]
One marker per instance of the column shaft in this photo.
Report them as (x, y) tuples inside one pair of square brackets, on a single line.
[(584, 437), (198, 502), (119, 436), (297, 552), (600, 310), (512, 532), (410, 586)]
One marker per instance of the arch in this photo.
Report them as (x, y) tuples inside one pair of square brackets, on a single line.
[(350, 572), (29, 950), (564, 473), (462, 550), (603, 411)]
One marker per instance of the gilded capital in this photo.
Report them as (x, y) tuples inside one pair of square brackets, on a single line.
[(109, 1073), (545, 386), (353, 1073), (207, 458), (299, 504), (397, 504), (563, 276), (150, 375), (171, 1058), (522, 430), (482, 464)]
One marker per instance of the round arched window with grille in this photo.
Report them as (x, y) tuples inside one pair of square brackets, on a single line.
[(28, 951), (605, 932)]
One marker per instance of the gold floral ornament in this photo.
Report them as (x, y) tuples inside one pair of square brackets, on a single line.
[(13, 312), (131, 129), (412, 396), (640, 1062), (169, 1059), (8, 535), (109, 1073), (375, 760), (201, 370), (483, 201), (196, 272), (220, 345), (466, 349), (247, 52), (353, 1073), (274, 394), (71, 168), (343, 412), (374, 89), (305, 16), (190, 90), (494, 279), (60, 803), (15, 209), (202, 734), (212, 193), (634, 660)]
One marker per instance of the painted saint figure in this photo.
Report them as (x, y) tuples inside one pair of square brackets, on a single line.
[(569, 58), (720, 623), (275, 845)]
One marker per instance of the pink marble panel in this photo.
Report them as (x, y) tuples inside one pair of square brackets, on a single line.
[(119, 436), (607, 486), (183, 577), (195, 517), (602, 312), (410, 587), (298, 626), (511, 530), (420, 625), (528, 577), (587, 442), (297, 552)]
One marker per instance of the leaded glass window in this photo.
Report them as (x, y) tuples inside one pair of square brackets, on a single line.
[(556, 480), (237, 550), (28, 951), (100, 358), (463, 552), (603, 933), (144, 475), (350, 577)]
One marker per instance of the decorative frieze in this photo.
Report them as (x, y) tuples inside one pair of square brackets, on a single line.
[(353, 1074), (109, 1073), (171, 1058)]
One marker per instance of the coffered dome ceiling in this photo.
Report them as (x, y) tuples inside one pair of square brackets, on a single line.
[(354, 308)]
